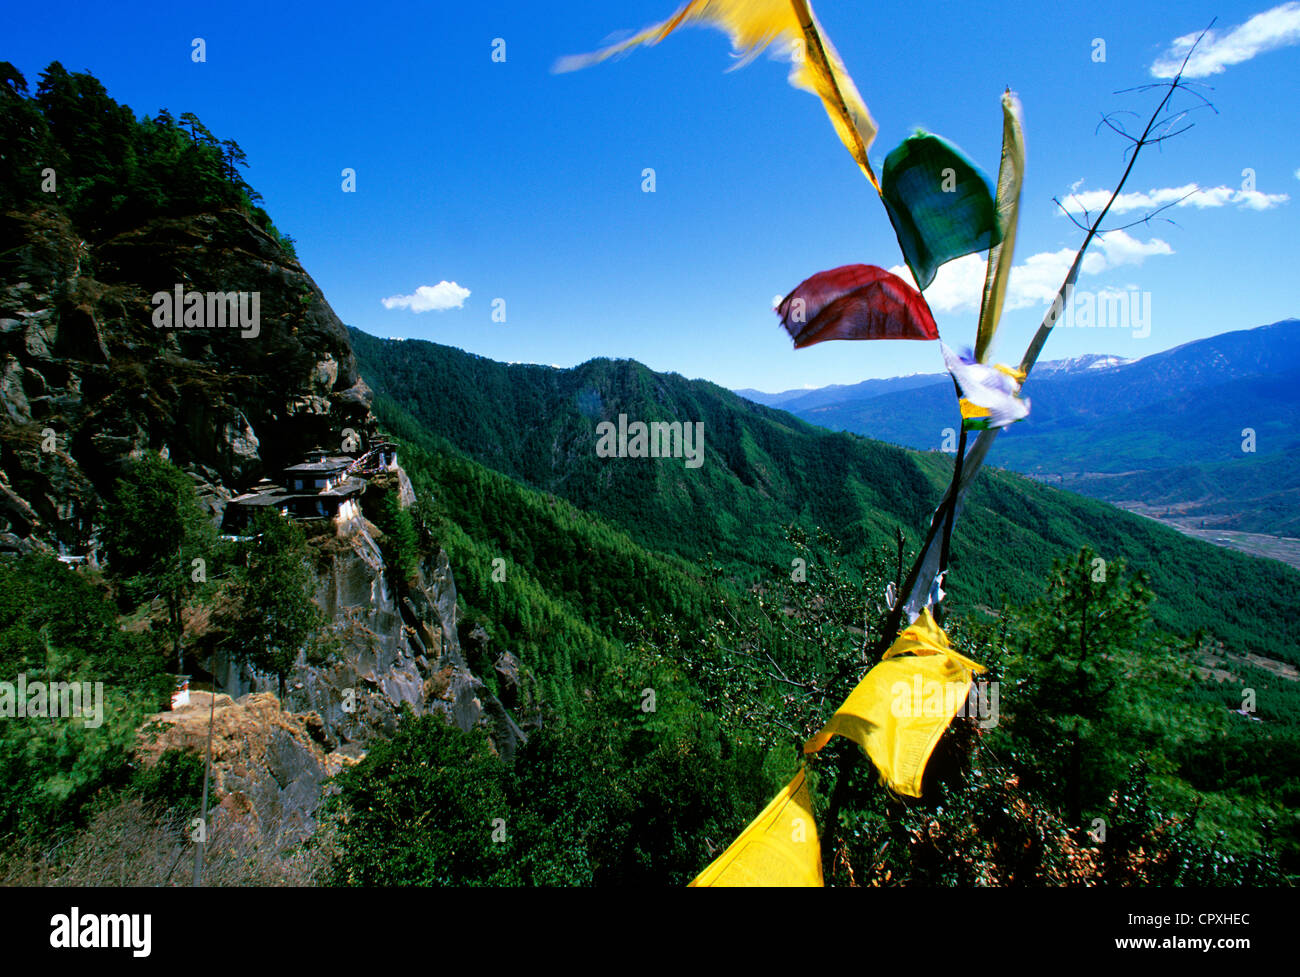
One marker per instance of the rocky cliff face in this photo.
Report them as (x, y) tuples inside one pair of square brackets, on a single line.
[(391, 646), (87, 380), (394, 647)]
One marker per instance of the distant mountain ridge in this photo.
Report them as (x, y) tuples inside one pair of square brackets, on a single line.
[(1218, 401), (838, 393), (1079, 364), (1179, 407), (797, 400)]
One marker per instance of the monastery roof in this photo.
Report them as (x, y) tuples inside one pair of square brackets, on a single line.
[(278, 495), (324, 466)]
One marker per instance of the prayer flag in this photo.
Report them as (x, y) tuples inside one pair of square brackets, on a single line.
[(753, 25), (902, 706), (779, 848), (855, 302), (939, 202)]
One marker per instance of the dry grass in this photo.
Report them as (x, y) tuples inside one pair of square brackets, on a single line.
[(129, 844)]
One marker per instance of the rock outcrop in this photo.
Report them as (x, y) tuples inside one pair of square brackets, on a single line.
[(389, 646), (268, 768)]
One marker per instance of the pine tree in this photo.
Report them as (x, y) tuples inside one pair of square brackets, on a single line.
[(277, 610), (158, 540), (1074, 649)]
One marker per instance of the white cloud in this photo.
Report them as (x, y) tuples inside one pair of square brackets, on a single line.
[(1267, 31), (430, 298), (1189, 195), (1118, 248), (1255, 200), (959, 285), (1297, 173)]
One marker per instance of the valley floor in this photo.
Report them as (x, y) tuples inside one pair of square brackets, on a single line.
[(1283, 548)]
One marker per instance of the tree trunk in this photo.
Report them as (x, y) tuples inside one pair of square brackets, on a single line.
[(840, 793), (174, 613), (1073, 787)]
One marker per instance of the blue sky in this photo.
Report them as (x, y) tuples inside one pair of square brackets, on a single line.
[(516, 183)]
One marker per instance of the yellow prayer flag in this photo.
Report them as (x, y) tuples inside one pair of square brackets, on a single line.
[(1011, 175), (779, 848), (752, 26), (902, 706)]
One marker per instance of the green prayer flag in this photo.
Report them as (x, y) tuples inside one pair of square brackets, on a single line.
[(940, 203)]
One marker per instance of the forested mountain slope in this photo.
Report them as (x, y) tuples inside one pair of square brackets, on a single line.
[(765, 469)]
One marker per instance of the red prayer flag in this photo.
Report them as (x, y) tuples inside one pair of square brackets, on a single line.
[(855, 302)]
